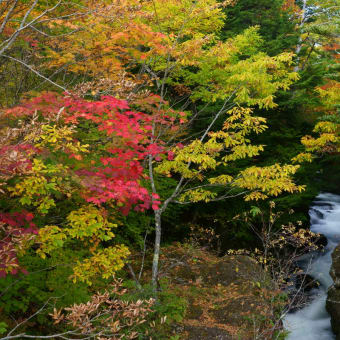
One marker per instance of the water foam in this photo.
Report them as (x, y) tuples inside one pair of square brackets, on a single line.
[(313, 322)]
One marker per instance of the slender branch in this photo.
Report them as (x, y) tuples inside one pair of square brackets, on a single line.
[(9, 13), (54, 36), (132, 273), (182, 179), (221, 198), (143, 257), (23, 25), (26, 336), (36, 72), (299, 45), (29, 318)]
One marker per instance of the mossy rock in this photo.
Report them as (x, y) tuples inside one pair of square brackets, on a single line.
[(207, 333), (234, 311), (333, 298), (195, 311), (333, 308), (224, 294), (335, 269)]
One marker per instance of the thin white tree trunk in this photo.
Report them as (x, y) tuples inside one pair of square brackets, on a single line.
[(155, 262), (299, 45)]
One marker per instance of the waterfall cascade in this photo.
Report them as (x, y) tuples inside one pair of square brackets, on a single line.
[(313, 322)]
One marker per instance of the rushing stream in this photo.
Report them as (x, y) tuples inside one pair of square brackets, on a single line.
[(313, 322)]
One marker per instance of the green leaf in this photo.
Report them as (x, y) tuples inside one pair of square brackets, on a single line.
[(255, 211), (3, 327)]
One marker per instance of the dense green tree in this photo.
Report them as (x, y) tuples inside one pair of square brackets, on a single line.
[(277, 26)]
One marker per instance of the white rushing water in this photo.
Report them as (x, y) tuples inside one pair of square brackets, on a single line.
[(313, 322)]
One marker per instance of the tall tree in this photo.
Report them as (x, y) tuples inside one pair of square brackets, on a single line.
[(318, 25), (275, 20), (131, 50)]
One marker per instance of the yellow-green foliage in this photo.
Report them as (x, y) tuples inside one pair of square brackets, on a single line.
[(90, 225), (104, 261), (179, 39), (205, 155), (270, 180), (331, 95), (38, 187), (314, 144), (185, 18), (58, 138), (89, 222), (326, 138), (222, 148), (50, 238), (327, 141), (236, 68)]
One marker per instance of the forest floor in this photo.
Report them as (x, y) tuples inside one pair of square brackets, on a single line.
[(228, 297)]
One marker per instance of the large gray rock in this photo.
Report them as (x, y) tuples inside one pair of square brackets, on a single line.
[(333, 300), (228, 298)]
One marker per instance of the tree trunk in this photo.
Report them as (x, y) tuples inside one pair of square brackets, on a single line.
[(158, 230)]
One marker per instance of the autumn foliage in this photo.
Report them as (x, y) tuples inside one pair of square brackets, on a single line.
[(106, 151), (119, 110), (49, 127)]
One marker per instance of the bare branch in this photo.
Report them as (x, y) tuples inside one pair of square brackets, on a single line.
[(9, 13), (36, 72)]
